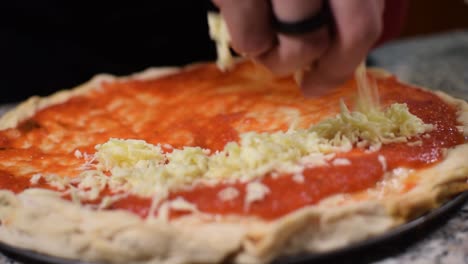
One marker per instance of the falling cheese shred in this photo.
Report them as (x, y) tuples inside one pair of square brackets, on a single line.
[(368, 92), (220, 34)]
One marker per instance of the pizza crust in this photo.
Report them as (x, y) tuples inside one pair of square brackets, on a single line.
[(35, 103), (28, 220), (42, 221), (29, 107)]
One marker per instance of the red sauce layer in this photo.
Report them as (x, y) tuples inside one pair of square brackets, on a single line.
[(189, 109)]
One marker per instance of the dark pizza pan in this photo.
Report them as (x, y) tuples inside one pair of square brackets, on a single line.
[(385, 245)]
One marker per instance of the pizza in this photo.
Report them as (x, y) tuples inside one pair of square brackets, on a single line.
[(197, 165)]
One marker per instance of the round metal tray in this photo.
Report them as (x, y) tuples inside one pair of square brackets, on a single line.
[(372, 249)]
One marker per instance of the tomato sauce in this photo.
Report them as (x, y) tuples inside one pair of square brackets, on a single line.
[(187, 110), (12, 183)]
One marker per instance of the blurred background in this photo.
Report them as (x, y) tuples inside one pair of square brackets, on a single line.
[(435, 16), (54, 44)]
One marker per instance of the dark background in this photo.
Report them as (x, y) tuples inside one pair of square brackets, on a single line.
[(49, 45)]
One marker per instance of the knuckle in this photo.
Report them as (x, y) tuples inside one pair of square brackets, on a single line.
[(319, 41), (252, 46), (221, 3), (238, 4), (373, 31), (273, 64), (308, 47), (362, 34), (217, 2)]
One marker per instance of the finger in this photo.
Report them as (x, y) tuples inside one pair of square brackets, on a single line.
[(249, 24), (294, 52), (358, 24), (295, 10)]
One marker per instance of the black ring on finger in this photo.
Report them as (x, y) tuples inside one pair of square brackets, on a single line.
[(320, 19)]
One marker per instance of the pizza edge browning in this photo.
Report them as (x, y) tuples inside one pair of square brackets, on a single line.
[(40, 220)]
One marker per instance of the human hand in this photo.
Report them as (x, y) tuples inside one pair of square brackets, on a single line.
[(326, 56)]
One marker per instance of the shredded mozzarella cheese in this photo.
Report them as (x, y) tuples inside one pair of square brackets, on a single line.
[(220, 34), (136, 167), (78, 154), (228, 193), (341, 162), (383, 162), (298, 177), (35, 178), (255, 191)]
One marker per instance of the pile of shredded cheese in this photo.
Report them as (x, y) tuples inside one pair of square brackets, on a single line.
[(139, 168)]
